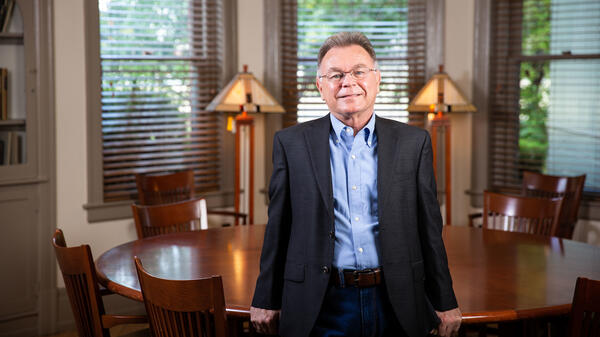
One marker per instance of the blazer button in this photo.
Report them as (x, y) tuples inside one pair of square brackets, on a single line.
[(332, 235), (325, 269)]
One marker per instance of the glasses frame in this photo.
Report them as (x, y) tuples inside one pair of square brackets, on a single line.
[(351, 72)]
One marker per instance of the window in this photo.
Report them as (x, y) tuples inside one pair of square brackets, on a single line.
[(151, 68), (396, 29), (545, 81), (161, 64)]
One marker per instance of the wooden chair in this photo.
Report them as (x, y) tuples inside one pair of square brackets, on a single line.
[(183, 307), (584, 319), (547, 186), (174, 187), (520, 214), (180, 216), (81, 283), (165, 188)]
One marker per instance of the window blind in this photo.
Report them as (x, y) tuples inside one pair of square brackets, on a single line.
[(161, 65), (545, 80), (396, 30)]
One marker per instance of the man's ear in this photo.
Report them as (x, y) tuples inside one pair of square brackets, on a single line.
[(318, 83)]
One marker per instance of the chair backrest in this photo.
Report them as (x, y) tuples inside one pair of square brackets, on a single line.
[(547, 186), (520, 214), (180, 216), (81, 283), (183, 307), (584, 319), (165, 188)]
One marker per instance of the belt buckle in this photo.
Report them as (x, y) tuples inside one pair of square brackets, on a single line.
[(357, 273)]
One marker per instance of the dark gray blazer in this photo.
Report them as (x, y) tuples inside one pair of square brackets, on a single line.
[(297, 253)]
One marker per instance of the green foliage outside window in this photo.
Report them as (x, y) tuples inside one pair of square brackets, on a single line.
[(534, 85)]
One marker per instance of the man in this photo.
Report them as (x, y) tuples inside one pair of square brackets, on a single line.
[(353, 243)]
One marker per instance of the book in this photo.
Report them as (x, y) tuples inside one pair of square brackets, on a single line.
[(3, 94)]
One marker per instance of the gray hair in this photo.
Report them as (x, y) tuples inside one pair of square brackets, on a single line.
[(346, 39)]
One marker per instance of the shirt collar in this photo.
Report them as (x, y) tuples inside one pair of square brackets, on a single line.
[(338, 126)]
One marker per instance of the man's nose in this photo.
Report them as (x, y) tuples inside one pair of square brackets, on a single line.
[(348, 80)]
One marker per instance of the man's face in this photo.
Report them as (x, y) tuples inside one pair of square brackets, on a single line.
[(349, 96)]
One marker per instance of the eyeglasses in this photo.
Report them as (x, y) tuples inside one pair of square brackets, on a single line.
[(338, 76)]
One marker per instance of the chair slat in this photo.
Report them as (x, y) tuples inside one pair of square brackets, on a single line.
[(79, 273), (584, 320), (521, 214), (549, 186)]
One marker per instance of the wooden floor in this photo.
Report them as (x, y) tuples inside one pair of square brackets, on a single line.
[(117, 331)]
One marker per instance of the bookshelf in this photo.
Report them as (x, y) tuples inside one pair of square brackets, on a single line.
[(13, 98), (27, 177)]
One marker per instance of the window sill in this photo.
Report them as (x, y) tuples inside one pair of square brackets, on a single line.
[(589, 210), (97, 212)]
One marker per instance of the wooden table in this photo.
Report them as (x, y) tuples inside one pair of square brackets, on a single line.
[(498, 276)]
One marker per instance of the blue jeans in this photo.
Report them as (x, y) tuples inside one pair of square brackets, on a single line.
[(359, 312)]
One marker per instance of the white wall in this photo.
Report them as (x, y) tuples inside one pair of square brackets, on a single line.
[(458, 64), (71, 150), (251, 52)]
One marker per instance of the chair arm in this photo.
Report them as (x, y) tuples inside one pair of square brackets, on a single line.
[(105, 291), (109, 321), (231, 213)]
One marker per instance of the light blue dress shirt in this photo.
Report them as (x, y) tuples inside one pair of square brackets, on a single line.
[(354, 176)]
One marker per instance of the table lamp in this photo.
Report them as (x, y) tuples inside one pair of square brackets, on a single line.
[(243, 94), (439, 97)]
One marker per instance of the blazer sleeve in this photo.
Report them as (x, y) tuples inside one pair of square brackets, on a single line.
[(269, 285), (438, 282)]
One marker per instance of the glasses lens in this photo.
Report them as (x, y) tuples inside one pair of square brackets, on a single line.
[(335, 76), (358, 73)]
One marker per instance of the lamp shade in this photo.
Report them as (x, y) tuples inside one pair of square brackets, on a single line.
[(244, 89), (440, 91)]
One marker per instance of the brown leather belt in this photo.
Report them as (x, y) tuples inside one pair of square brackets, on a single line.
[(356, 278)]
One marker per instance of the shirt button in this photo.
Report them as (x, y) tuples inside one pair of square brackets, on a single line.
[(348, 130), (354, 187), (360, 250), (356, 218), (369, 142), (325, 270), (353, 156)]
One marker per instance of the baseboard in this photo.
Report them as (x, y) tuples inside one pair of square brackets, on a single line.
[(20, 327)]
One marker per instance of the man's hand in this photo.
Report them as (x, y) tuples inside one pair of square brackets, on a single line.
[(450, 322), (265, 321)]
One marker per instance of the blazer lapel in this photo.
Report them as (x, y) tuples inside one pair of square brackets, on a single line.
[(386, 158), (317, 140)]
